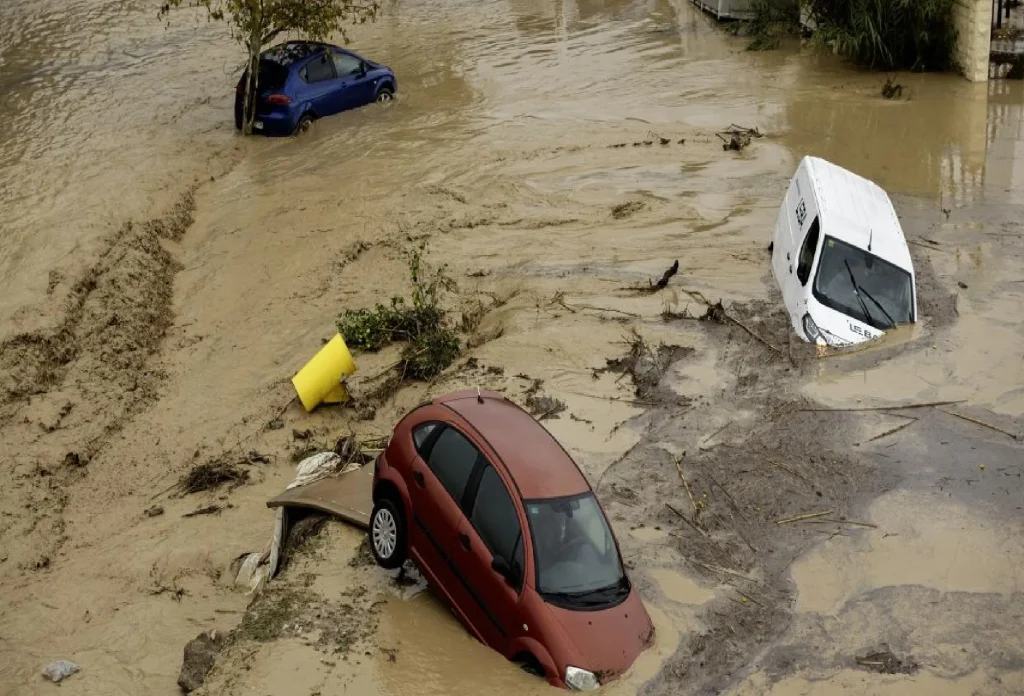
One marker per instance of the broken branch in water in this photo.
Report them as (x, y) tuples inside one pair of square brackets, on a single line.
[(981, 423), (607, 309), (801, 518), (712, 435), (666, 276), (686, 520), (748, 598), (208, 510), (679, 469), (718, 309), (892, 431), (720, 569), (865, 409), (850, 522)]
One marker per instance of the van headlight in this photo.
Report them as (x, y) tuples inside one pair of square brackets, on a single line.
[(812, 331), (580, 679)]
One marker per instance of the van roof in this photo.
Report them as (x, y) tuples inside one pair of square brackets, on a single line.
[(537, 463), (858, 211)]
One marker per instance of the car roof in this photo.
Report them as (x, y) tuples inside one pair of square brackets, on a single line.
[(537, 463), (291, 52), (858, 211)]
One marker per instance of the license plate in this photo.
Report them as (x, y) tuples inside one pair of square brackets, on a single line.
[(258, 125)]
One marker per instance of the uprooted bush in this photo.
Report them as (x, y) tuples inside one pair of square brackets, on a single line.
[(431, 340)]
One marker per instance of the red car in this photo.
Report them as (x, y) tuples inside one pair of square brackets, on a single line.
[(507, 530)]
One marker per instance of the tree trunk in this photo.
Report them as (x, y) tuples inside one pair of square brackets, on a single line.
[(252, 84)]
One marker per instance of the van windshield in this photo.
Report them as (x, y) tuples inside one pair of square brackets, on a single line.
[(578, 564), (861, 285)]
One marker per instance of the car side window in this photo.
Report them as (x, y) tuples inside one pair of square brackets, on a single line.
[(318, 70), (345, 64), (421, 435), (803, 269), (494, 517), (452, 459)]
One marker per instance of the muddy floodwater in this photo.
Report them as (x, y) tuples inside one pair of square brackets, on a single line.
[(782, 513)]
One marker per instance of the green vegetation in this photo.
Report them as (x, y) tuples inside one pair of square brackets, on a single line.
[(431, 341), (255, 23), (887, 34), (773, 20), (878, 34)]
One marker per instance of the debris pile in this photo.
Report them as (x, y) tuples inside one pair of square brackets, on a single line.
[(737, 137)]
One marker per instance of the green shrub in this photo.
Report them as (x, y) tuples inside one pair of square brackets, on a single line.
[(887, 34), (431, 342)]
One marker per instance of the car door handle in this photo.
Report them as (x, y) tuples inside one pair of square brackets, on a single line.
[(465, 541), (420, 481)]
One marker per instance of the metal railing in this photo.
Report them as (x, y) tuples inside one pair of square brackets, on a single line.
[(1001, 10)]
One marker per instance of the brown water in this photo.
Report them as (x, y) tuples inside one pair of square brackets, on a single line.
[(499, 146)]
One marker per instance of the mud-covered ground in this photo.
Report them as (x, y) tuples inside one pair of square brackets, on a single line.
[(783, 513)]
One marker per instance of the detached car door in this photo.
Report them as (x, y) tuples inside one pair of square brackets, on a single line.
[(492, 530)]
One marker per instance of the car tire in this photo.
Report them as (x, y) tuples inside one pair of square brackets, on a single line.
[(304, 123), (388, 534), (385, 96)]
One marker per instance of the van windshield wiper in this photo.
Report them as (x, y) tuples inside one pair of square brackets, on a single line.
[(856, 291), (892, 323)]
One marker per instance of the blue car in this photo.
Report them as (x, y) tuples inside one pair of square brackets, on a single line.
[(301, 81)]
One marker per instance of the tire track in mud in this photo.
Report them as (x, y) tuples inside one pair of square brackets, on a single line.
[(65, 391)]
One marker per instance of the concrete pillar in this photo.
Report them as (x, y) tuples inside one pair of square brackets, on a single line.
[(973, 22)]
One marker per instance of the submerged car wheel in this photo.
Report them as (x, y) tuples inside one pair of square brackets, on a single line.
[(385, 96), (387, 534), (304, 123)]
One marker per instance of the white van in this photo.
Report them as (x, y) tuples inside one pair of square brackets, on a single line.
[(840, 257)]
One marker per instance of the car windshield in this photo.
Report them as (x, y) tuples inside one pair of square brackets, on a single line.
[(861, 285), (575, 554)]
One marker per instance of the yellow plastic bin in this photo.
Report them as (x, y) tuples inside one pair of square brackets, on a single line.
[(320, 380)]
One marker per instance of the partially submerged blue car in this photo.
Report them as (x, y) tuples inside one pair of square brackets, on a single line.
[(301, 81)]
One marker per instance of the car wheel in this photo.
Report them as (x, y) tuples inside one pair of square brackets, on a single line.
[(385, 96), (387, 534), (304, 123)]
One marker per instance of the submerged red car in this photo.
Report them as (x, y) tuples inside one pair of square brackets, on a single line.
[(505, 527)]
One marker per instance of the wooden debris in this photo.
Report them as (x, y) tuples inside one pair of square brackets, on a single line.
[(891, 431), (666, 276), (981, 423), (884, 662), (208, 510), (864, 409), (689, 493), (685, 519), (808, 516), (717, 312)]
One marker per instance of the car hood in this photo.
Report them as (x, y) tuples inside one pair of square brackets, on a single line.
[(608, 641)]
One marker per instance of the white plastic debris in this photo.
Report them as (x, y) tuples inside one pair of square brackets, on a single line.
[(59, 670), (315, 467)]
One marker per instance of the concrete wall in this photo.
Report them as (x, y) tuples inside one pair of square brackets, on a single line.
[(973, 21)]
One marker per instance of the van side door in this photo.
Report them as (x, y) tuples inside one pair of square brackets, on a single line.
[(802, 210), (493, 531)]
